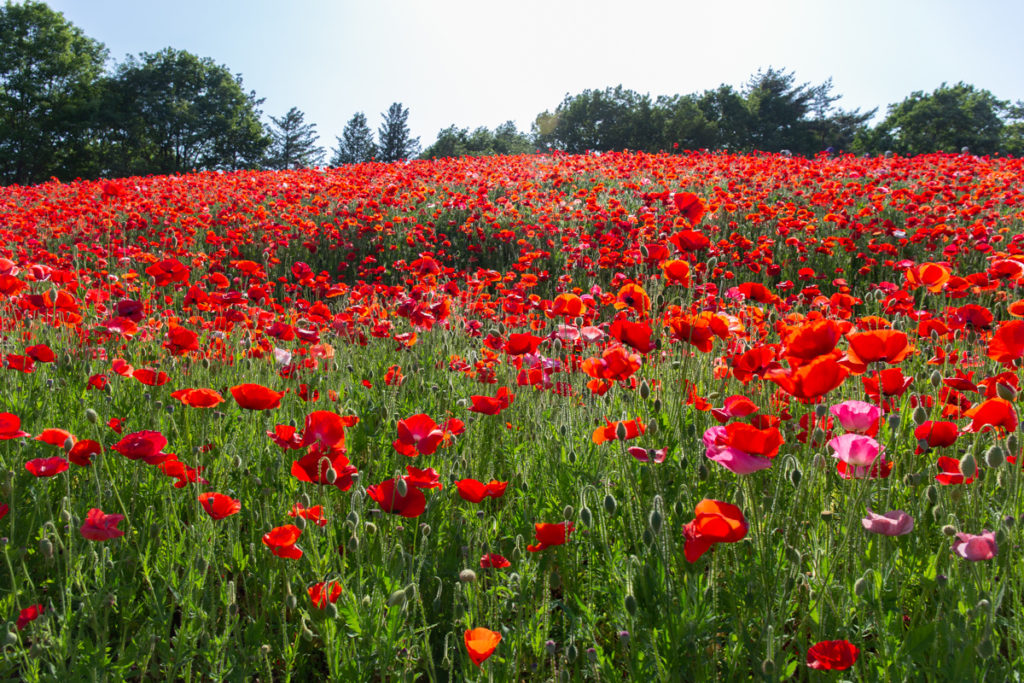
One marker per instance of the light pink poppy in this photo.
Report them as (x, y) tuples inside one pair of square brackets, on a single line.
[(858, 417), (895, 523), (855, 449), (976, 547)]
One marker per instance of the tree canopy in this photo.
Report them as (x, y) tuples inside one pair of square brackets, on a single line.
[(394, 141), (293, 142), (356, 145)]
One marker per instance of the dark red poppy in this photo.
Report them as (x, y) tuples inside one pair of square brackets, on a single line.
[(99, 526), (832, 655), (41, 353), (519, 344), (931, 434), (494, 561), (81, 453), (323, 592), (47, 467), (635, 335), (28, 615), (10, 427)]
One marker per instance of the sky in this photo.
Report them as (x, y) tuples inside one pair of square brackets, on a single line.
[(483, 63)]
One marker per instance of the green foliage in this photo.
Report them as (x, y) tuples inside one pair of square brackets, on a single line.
[(293, 142), (171, 111), (356, 145), (393, 140), (948, 119), (456, 142), (48, 95)]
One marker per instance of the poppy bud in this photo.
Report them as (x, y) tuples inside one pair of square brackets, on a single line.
[(623, 638), (818, 461), (821, 410), (401, 487), (621, 432), (46, 548), (648, 537), (571, 653), (818, 435), (630, 604), (968, 466), (795, 476), (307, 634), (586, 516), (568, 512), (657, 405), (652, 429), (353, 544), (1005, 391), (645, 390), (230, 591), (994, 457), (861, 587), (425, 530), (920, 416), (702, 471), (370, 528), (654, 520), (467, 576), (91, 415), (551, 647), (985, 648), (610, 504), (768, 667), (290, 601), (571, 456), (932, 494), (396, 599)]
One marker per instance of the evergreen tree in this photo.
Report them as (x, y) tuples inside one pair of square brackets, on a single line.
[(393, 135), (355, 146), (293, 142)]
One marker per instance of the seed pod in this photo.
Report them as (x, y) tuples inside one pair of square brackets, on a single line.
[(648, 537), (467, 576), (630, 604)]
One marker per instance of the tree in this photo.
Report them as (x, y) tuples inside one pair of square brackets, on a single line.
[(778, 107), (393, 136), (456, 142), (948, 119), (355, 146), (293, 142), (173, 112), (49, 72)]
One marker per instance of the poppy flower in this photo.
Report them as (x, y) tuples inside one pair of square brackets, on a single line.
[(19, 363), (150, 377), (633, 334), (99, 526), (895, 523), (145, 445), (699, 330), (422, 478), (615, 364), (47, 467), (950, 472), (856, 450), (4, 509), (995, 412), (81, 453), (520, 344), (325, 431), (181, 340), (676, 272), (876, 346), (734, 406), (281, 541), (742, 448), (935, 434), (648, 454), (932, 276), (41, 353), (689, 205), (198, 398), (412, 504), (858, 417), (567, 305), (633, 296), (99, 382), (218, 505), (610, 432), (323, 592), (116, 424), (715, 522), (548, 535), (812, 340), (172, 467), (256, 397), (420, 435), (481, 643), (888, 382), (56, 437), (489, 405), (319, 468), (832, 655), (314, 514), (493, 561), (28, 615), (879, 469), (976, 547), (475, 491), (394, 377), (810, 381), (10, 427)]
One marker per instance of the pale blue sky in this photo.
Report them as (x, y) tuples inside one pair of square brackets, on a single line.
[(482, 63)]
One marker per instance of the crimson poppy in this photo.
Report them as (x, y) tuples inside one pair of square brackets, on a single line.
[(99, 526), (420, 435), (634, 334), (81, 453), (28, 615), (832, 655), (256, 397), (218, 505), (548, 535), (41, 353), (494, 561), (47, 467), (412, 504), (10, 427), (281, 541), (323, 592), (931, 434)]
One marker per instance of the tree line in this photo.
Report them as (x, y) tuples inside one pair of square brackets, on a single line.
[(64, 113)]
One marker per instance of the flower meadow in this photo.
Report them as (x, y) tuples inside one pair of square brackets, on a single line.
[(600, 417)]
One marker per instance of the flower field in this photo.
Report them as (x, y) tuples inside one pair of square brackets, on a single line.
[(603, 417)]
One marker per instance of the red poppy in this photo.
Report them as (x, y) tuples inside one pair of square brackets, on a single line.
[(218, 505), (481, 643), (811, 340), (99, 526), (150, 377), (698, 330), (168, 271), (81, 453), (394, 377), (810, 381), (493, 561), (181, 340), (633, 296), (323, 592), (715, 522), (519, 344), (931, 275), (122, 367), (256, 397), (610, 432), (475, 491), (832, 655), (28, 615), (198, 398), (950, 472), (689, 205), (615, 364), (420, 435), (995, 412), (636, 335), (888, 382), (145, 445), (317, 467), (881, 346), (567, 305), (10, 427), (56, 437), (548, 535), (41, 353), (184, 474), (19, 363), (676, 272), (422, 479), (325, 431), (314, 514), (281, 541), (492, 405), (412, 504), (115, 424), (931, 435), (98, 382), (47, 467)]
